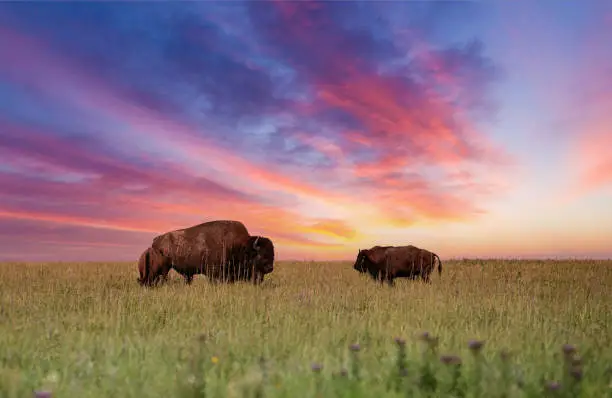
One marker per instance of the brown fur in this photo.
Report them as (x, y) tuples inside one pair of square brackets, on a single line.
[(222, 250), (151, 266), (385, 263)]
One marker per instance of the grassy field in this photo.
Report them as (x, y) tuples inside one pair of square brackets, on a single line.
[(312, 329)]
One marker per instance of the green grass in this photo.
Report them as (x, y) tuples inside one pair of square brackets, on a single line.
[(89, 330)]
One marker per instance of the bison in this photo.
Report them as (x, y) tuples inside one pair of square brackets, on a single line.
[(223, 250), (385, 263)]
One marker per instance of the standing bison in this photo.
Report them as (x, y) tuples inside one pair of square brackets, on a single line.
[(385, 263), (222, 250)]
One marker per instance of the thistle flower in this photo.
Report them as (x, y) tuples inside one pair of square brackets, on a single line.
[(553, 386), (450, 360), (354, 347), (425, 336), (316, 367), (42, 394), (399, 341), (576, 373), (568, 350), (475, 345)]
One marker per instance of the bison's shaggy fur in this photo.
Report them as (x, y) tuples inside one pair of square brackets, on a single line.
[(385, 263), (222, 250)]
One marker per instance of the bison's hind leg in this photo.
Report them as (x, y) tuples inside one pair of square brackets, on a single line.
[(188, 279)]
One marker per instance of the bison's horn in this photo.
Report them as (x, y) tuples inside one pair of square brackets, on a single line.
[(255, 243)]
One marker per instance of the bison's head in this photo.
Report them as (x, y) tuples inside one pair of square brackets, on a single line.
[(150, 263), (261, 253), (360, 262)]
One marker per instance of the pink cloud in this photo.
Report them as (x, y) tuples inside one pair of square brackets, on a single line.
[(590, 114), (410, 126), (409, 132)]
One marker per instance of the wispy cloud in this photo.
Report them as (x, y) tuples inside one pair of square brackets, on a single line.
[(315, 123)]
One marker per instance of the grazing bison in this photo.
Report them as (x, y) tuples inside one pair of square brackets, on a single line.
[(222, 250), (386, 263)]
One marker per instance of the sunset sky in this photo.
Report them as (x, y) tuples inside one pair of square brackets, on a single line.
[(473, 129)]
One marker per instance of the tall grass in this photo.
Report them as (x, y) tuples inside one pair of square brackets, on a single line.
[(495, 329)]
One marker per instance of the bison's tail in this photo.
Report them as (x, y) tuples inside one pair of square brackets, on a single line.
[(439, 265)]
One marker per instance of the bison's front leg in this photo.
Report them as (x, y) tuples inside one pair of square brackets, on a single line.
[(257, 278), (154, 280), (164, 276), (145, 282), (188, 279)]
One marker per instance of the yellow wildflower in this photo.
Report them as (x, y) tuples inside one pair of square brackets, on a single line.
[(214, 359)]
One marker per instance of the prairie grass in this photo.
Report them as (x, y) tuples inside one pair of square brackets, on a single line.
[(312, 329)]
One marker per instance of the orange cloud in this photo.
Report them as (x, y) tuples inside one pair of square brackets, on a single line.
[(337, 228)]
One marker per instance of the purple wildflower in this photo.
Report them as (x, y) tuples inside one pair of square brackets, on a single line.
[(450, 360)]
